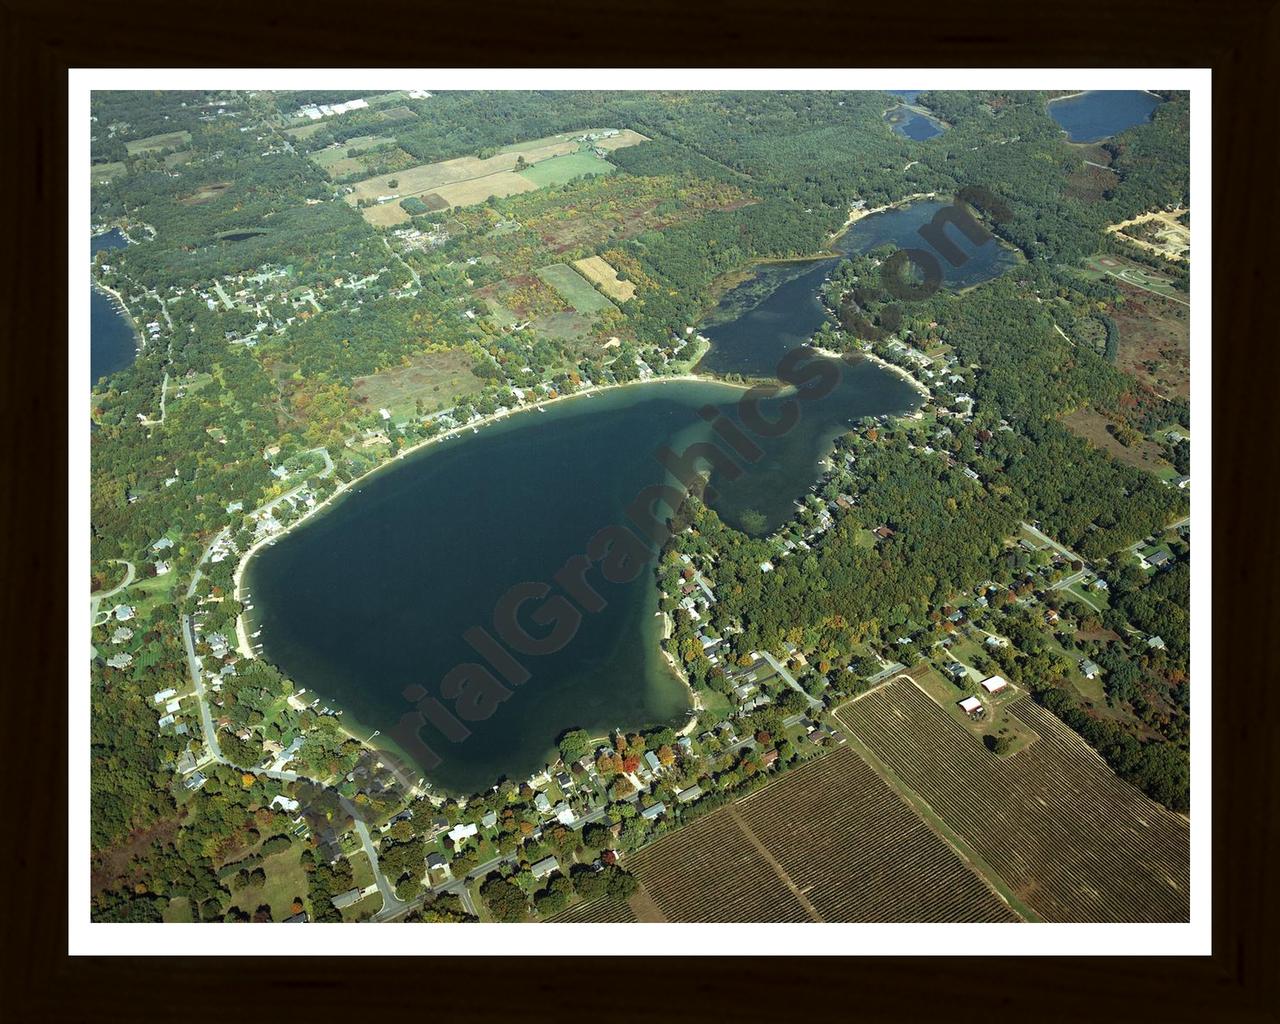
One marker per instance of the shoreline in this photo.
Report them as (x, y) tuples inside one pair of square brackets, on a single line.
[(344, 487), (901, 372), (140, 342), (245, 648), (857, 215)]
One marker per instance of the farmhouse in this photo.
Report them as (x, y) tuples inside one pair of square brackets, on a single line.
[(654, 812), (994, 684)]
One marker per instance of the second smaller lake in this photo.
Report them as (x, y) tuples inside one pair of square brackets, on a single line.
[(1094, 116)]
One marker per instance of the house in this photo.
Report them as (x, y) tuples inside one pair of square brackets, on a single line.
[(769, 758), (285, 804), (122, 612), (162, 544), (651, 759), (655, 812), (490, 819), (971, 705), (685, 744), (564, 780), (995, 642), (195, 781), (436, 861), (685, 796), (993, 684), (1158, 558), (346, 899), (766, 567), (460, 833), (544, 867), (1051, 616), (1182, 482), (299, 918), (1155, 643), (564, 814), (1088, 668), (957, 671), (542, 803)]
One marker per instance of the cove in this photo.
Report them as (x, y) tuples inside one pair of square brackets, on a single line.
[(1093, 116), (113, 345)]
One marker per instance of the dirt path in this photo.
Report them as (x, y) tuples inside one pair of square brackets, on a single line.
[(773, 863), (644, 908)]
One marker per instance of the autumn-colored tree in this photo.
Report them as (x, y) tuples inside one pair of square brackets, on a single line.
[(666, 755), (630, 764)]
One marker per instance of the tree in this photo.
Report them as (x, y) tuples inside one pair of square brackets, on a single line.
[(574, 744)]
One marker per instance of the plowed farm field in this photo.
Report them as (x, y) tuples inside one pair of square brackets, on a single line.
[(1059, 829), (829, 841)]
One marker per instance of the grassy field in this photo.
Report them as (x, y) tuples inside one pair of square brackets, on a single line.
[(438, 378), (337, 162), (1056, 825), (829, 841), (574, 289), (596, 270), (155, 143), (105, 172), (560, 169), (1092, 426), (462, 181), (286, 880), (624, 138), (477, 190)]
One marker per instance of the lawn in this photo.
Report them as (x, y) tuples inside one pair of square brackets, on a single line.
[(574, 288), (599, 272), (560, 169), (286, 879), (155, 143), (439, 379)]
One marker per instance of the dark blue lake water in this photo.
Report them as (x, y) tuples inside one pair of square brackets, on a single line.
[(1093, 116), (113, 345)]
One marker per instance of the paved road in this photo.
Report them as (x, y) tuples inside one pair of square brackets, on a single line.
[(98, 598), (789, 679), (1051, 542), (392, 905), (197, 678)]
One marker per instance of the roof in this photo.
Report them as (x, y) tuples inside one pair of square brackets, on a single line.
[(461, 832), (970, 704), (544, 867), (655, 811), (684, 796), (994, 684), (347, 898)]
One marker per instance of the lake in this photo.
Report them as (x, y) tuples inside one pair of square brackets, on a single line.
[(913, 124), (374, 595), (113, 344), (1093, 116)]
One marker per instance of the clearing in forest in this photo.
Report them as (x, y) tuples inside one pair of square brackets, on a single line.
[(596, 270)]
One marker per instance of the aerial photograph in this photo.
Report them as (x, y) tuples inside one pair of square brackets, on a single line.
[(599, 506)]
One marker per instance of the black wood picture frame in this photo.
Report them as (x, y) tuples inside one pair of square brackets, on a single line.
[(40, 41)]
